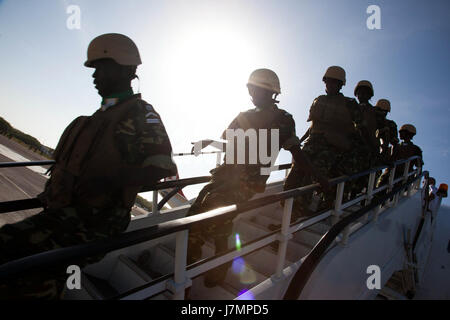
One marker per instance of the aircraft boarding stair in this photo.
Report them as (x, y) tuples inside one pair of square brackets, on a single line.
[(394, 235)]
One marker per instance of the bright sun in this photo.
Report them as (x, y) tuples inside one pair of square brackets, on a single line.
[(206, 69), (209, 67)]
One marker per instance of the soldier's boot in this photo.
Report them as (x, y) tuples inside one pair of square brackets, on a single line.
[(216, 276)]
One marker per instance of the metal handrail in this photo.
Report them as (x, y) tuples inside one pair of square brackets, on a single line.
[(134, 237), (26, 164), (305, 270), (24, 204)]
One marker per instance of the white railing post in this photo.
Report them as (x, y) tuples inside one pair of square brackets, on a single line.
[(370, 187), (337, 212), (338, 203), (369, 195), (345, 235), (284, 237), (376, 213), (391, 179), (155, 202), (406, 171), (410, 188), (180, 281), (419, 171), (391, 183)]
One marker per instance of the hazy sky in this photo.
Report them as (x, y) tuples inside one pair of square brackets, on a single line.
[(197, 56)]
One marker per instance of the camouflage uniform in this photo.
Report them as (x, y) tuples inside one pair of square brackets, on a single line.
[(371, 140), (235, 183), (341, 153), (141, 140), (366, 146), (404, 150), (387, 131)]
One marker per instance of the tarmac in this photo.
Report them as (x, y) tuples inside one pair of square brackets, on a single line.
[(24, 183), (19, 182)]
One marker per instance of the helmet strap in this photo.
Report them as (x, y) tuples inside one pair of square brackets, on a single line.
[(138, 83), (274, 98)]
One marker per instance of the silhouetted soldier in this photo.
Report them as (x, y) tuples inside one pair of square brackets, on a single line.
[(333, 145), (406, 149), (102, 162), (234, 183)]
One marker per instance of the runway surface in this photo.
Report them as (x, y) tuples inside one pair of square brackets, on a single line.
[(19, 182), (24, 182)]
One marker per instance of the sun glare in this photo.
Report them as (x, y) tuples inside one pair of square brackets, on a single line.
[(209, 68)]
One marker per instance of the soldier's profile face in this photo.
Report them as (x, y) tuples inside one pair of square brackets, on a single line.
[(260, 96), (405, 135), (364, 94), (333, 86), (107, 75)]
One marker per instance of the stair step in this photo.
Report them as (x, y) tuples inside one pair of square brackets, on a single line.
[(321, 227), (265, 221), (308, 237), (163, 296), (126, 275), (241, 276), (159, 261), (275, 213), (296, 250), (391, 294), (259, 259), (97, 288), (200, 292), (249, 230)]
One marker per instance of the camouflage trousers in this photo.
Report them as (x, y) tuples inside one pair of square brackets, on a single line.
[(384, 178), (331, 162), (53, 229), (214, 195), (360, 158)]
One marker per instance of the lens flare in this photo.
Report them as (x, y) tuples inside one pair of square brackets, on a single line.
[(247, 276), (246, 295), (238, 265), (238, 242)]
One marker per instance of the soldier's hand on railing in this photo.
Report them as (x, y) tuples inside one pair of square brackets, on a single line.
[(201, 144), (324, 184)]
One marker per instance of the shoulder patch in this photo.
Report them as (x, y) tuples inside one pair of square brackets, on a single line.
[(150, 114)]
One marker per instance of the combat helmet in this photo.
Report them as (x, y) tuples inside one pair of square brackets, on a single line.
[(384, 104), (265, 78), (409, 127), (114, 46), (364, 83), (335, 72)]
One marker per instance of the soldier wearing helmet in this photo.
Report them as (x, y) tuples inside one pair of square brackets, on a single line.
[(102, 162), (406, 149), (387, 129), (234, 182), (364, 92), (332, 146)]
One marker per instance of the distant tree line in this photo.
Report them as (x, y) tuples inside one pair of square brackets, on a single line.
[(32, 143)]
